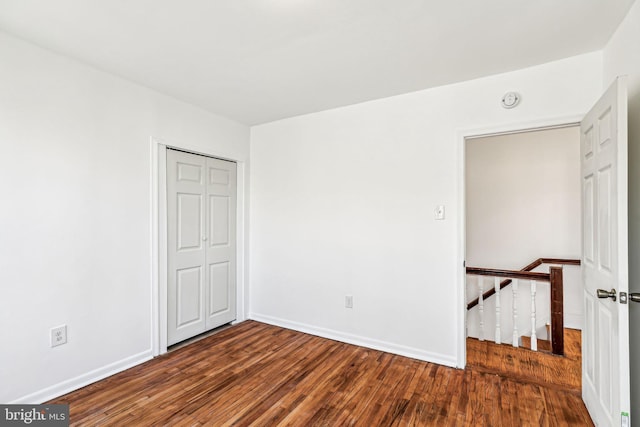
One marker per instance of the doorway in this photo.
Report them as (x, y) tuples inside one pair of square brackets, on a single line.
[(159, 232), (201, 252), (522, 203)]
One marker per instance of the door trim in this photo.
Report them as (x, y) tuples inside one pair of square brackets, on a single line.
[(158, 232), (463, 135)]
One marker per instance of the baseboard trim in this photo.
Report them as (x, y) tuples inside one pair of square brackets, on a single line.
[(358, 340), (83, 380)]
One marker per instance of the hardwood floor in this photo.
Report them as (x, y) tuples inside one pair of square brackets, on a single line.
[(256, 374), (530, 366)]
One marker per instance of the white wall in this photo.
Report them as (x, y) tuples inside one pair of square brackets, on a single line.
[(342, 203), (523, 203), (75, 221), (622, 56)]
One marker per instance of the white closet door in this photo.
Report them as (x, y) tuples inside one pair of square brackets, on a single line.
[(201, 218), (220, 243), (186, 202)]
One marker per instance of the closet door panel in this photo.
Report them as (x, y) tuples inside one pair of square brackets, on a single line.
[(221, 242), (186, 245)]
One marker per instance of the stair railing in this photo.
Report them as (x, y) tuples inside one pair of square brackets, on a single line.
[(554, 278), (529, 267)]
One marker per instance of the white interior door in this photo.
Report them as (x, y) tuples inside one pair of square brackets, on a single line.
[(201, 211), (605, 345)]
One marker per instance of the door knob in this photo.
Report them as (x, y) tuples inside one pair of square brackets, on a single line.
[(204, 238), (607, 294), (635, 297)]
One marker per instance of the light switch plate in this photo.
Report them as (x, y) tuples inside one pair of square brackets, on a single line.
[(348, 301), (439, 212)]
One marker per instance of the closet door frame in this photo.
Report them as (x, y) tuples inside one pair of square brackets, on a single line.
[(158, 149)]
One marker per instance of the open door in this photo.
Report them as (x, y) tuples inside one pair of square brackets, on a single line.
[(605, 344)]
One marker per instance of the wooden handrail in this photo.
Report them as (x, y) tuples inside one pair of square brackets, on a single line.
[(561, 261), (554, 277), (513, 274), (529, 267)]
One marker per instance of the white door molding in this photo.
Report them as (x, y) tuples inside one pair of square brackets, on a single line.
[(158, 233)]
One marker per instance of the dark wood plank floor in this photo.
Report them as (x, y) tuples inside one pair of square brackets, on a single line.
[(256, 374)]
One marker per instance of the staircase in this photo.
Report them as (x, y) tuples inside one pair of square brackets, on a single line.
[(528, 281), (523, 365)]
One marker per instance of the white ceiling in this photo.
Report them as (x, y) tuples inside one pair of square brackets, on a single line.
[(261, 60)]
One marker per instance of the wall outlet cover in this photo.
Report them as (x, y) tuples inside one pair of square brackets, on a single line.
[(58, 335)]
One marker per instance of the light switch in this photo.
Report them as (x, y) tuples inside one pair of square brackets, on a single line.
[(439, 212)]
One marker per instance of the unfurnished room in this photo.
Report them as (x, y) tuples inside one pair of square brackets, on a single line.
[(319, 213)]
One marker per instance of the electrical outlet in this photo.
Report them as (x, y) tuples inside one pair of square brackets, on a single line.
[(58, 335), (348, 301)]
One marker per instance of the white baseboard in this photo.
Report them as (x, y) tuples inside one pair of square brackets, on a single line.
[(80, 381), (361, 341)]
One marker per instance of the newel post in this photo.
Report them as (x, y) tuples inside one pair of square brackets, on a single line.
[(557, 311)]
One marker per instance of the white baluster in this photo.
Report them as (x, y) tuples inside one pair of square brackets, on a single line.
[(481, 308), (534, 337), (514, 285), (496, 286)]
